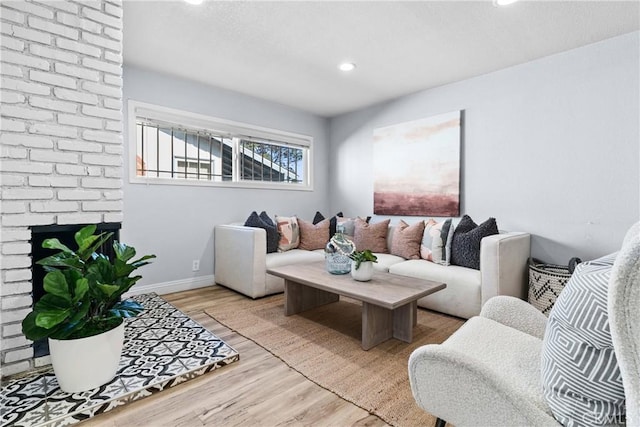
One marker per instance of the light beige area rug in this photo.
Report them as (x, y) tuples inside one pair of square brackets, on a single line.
[(324, 345)]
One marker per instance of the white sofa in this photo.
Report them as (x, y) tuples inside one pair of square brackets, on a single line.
[(241, 264)]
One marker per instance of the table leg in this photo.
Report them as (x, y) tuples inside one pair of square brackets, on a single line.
[(403, 321), (377, 325), (299, 297)]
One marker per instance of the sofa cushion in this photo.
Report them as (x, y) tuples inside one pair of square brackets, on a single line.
[(406, 240), (263, 221), (465, 245), (371, 236), (293, 256), (581, 379), (440, 273), (462, 295), (289, 233), (312, 236), (385, 261)]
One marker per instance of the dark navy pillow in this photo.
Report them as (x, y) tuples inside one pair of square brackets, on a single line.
[(273, 236), (317, 218), (465, 246), (266, 219), (263, 221)]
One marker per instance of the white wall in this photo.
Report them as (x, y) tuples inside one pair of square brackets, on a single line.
[(176, 222), (550, 147)]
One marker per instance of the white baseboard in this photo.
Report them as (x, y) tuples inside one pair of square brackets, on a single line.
[(173, 286)]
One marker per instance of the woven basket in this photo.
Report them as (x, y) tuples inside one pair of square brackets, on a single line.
[(546, 281)]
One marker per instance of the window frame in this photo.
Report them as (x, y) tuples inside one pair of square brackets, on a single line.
[(222, 127)]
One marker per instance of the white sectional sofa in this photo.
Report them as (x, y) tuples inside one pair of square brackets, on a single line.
[(241, 264)]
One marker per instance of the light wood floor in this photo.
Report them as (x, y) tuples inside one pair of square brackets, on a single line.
[(258, 390)]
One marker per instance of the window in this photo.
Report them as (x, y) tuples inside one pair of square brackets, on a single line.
[(165, 151), (193, 168), (175, 147), (263, 161)]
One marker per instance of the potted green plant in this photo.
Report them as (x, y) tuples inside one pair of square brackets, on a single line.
[(362, 265), (82, 312)]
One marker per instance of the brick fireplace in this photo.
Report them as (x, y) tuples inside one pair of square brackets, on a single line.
[(61, 138)]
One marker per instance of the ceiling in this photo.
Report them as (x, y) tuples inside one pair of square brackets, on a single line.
[(288, 51)]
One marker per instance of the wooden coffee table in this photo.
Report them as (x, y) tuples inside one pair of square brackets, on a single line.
[(389, 301)]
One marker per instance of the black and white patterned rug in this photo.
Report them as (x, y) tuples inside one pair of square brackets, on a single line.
[(163, 347)]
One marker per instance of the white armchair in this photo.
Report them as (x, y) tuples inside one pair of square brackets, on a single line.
[(489, 371)]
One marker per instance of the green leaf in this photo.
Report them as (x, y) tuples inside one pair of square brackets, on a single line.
[(55, 244), (74, 325), (80, 290), (51, 310), (122, 269), (92, 245), (126, 308), (127, 282), (69, 329), (55, 283), (362, 256), (108, 290), (139, 262), (101, 271), (123, 252), (49, 301), (97, 325), (50, 318), (31, 330), (83, 234), (62, 259), (87, 242)]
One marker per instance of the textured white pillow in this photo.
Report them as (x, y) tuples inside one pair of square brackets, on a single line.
[(580, 375)]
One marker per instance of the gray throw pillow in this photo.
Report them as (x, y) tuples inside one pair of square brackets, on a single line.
[(465, 245), (442, 247), (580, 375), (263, 221)]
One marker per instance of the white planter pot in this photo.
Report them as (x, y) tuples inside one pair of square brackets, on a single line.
[(364, 273), (86, 363)]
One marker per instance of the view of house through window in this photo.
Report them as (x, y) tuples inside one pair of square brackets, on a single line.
[(179, 152), (171, 152), (269, 162)]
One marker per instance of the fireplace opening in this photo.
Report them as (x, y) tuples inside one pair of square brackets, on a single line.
[(64, 233)]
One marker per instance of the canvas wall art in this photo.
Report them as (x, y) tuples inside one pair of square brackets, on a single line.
[(416, 167)]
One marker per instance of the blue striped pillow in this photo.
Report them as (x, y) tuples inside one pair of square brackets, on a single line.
[(580, 375)]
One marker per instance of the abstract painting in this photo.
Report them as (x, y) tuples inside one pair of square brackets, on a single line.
[(416, 167)]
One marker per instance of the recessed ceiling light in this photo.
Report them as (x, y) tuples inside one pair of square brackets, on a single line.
[(503, 2), (347, 66), (194, 1)]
